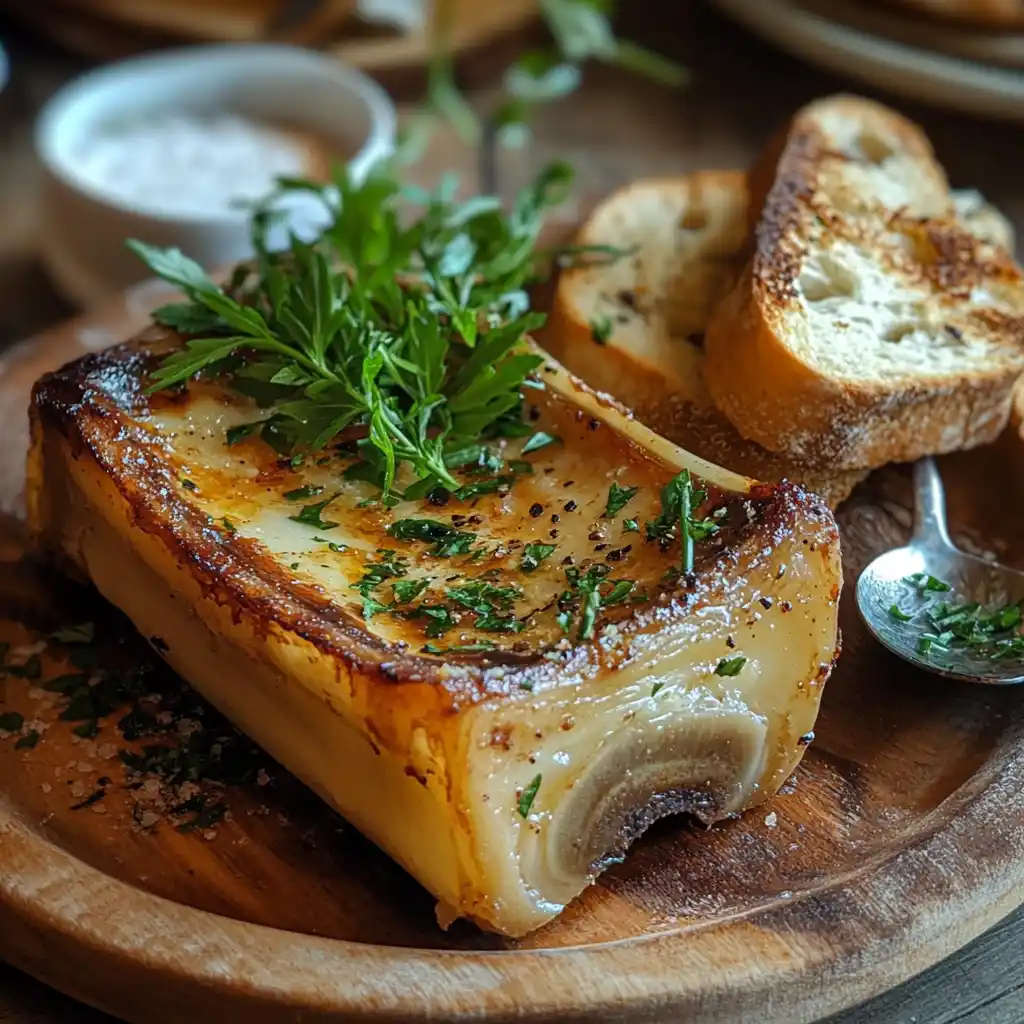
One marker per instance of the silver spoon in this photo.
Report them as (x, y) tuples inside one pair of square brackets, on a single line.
[(883, 587)]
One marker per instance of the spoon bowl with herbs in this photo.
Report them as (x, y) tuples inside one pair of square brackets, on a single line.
[(939, 608)]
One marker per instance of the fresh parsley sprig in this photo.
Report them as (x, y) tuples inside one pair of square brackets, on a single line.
[(410, 333)]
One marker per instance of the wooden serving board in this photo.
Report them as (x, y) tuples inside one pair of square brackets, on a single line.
[(899, 839)]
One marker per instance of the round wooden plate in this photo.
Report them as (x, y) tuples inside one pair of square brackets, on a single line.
[(899, 839)]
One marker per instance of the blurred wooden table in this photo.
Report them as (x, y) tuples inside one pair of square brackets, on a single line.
[(616, 128)]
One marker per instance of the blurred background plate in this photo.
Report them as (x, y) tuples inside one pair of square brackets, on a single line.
[(909, 70), (972, 42)]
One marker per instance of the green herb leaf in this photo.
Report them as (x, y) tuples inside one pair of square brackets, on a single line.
[(618, 499), (242, 431), (730, 666), (898, 614), (534, 554), (303, 492), (312, 515), (926, 583), (28, 741), (411, 330), (601, 328), (630, 525), (447, 541), (528, 795), (408, 590)]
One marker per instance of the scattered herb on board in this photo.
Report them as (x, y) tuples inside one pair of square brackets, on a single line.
[(655, 688), (528, 795), (618, 498), (11, 721)]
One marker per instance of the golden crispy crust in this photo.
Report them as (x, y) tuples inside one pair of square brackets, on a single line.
[(89, 406), (774, 396)]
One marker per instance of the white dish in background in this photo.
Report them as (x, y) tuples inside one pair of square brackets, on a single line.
[(84, 227), (909, 71)]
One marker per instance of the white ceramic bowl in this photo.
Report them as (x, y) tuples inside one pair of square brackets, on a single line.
[(83, 230)]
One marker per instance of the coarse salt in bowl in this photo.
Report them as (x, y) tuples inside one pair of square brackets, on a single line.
[(168, 148)]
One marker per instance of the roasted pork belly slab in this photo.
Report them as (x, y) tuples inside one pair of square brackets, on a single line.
[(503, 698)]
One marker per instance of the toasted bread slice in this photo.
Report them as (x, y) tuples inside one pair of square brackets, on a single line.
[(869, 324), (983, 219), (654, 306)]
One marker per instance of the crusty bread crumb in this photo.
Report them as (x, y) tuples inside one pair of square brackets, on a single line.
[(869, 325)]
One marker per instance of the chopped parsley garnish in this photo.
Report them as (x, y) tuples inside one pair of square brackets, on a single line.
[(618, 499), (534, 554), (630, 525), (601, 329), (541, 439), (83, 633), (528, 795), (585, 597), (655, 688), (229, 525), (491, 604), (898, 614), (963, 626), (189, 485), (303, 492), (924, 582), (206, 816), (679, 501), (242, 431), (408, 590), (312, 515), (388, 566), (730, 666), (446, 539), (440, 618), (409, 327)]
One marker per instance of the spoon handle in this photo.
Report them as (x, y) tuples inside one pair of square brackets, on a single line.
[(929, 505)]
